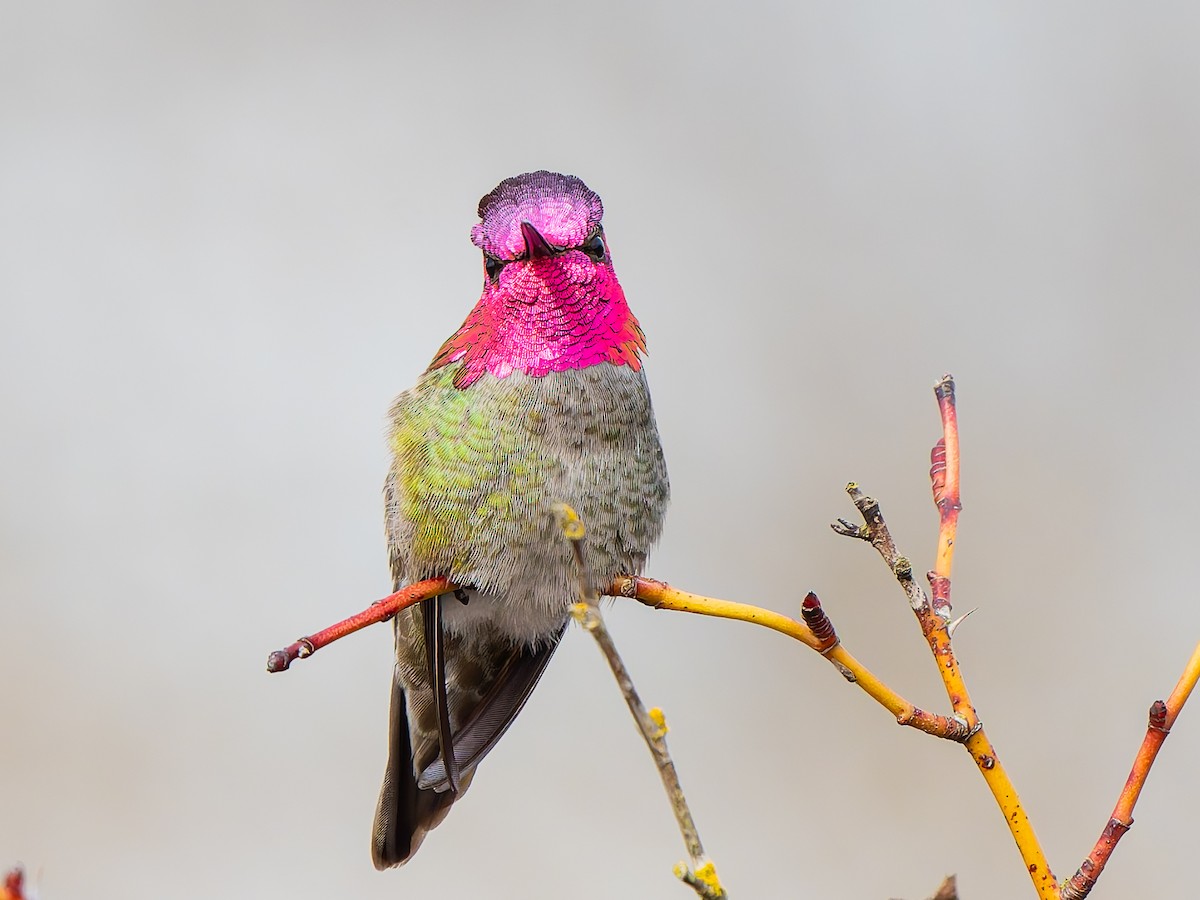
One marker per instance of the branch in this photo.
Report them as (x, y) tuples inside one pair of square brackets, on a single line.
[(934, 619), (379, 611), (661, 595), (13, 887), (702, 876), (943, 473), (817, 632), (1162, 717)]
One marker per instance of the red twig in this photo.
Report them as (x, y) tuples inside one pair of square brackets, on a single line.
[(944, 474), (376, 612), (1162, 717), (14, 885)]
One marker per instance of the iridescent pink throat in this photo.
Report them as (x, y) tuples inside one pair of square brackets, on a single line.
[(545, 315)]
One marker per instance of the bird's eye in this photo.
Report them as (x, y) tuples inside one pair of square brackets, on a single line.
[(594, 247), (492, 267)]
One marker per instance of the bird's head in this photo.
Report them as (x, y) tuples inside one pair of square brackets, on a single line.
[(551, 300), (542, 241)]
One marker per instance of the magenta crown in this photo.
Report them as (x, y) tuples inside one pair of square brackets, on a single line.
[(564, 210)]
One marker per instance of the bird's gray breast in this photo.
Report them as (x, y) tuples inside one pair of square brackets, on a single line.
[(594, 431)]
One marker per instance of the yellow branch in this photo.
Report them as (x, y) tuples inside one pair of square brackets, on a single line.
[(661, 595)]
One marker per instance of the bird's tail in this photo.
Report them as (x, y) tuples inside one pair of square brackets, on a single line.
[(452, 700)]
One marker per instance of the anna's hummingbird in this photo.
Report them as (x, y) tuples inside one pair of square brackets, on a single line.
[(538, 398)]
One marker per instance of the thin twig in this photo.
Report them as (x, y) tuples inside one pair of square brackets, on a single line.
[(702, 875), (948, 889), (944, 474), (1162, 717), (379, 611)]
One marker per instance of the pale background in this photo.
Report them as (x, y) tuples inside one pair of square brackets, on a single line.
[(230, 232)]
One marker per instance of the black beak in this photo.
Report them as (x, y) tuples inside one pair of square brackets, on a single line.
[(535, 245)]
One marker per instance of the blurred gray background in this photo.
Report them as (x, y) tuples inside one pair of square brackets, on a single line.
[(230, 233)]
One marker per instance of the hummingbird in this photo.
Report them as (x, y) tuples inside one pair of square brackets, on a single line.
[(540, 397)]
